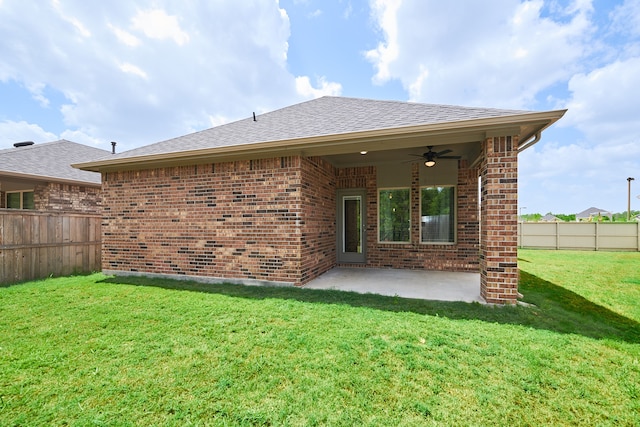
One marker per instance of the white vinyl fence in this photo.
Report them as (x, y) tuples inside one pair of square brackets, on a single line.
[(592, 236)]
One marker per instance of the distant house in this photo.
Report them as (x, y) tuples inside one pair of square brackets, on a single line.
[(594, 214), (550, 218), (285, 196), (40, 177)]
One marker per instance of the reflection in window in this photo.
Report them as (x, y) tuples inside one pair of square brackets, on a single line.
[(394, 215), (20, 200), (437, 215)]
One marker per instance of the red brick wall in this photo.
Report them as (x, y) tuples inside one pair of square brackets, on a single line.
[(237, 220), (318, 251), (66, 197), (499, 238), (461, 256), (263, 220)]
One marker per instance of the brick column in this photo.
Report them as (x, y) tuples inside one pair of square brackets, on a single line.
[(499, 220), (468, 215)]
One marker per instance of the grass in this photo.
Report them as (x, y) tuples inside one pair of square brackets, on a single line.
[(97, 350), (609, 279)]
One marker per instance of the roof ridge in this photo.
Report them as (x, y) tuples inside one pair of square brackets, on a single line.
[(418, 103), (37, 145)]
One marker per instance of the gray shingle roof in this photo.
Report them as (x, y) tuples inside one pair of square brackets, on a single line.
[(51, 161), (319, 117), (592, 212)]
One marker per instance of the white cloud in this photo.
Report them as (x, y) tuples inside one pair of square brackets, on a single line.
[(156, 24), (218, 120), (626, 18), (591, 168), (385, 13), (11, 132), (602, 105), (36, 90), (132, 69), (124, 36), (568, 178), (82, 138), (346, 14), (325, 88), (499, 53), (151, 70), (76, 23)]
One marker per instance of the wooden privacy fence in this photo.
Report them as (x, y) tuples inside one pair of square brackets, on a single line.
[(35, 245), (593, 236)]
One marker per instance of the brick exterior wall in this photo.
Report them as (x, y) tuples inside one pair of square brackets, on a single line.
[(318, 246), (461, 256), (242, 220), (274, 220), (65, 197), (499, 239)]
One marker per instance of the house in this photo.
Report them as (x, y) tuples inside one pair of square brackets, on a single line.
[(285, 196), (550, 218), (594, 214), (40, 177)]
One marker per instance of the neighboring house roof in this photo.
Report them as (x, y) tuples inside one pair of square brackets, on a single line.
[(320, 126), (591, 212), (550, 218), (51, 161)]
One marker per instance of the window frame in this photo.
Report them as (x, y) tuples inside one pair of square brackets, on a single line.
[(22, 193), (453, 216), (392, 242)]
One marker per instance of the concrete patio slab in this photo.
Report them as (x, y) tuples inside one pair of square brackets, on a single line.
[(420, 284)]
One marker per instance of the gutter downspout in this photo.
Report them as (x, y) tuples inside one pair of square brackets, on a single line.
[(529, 143)]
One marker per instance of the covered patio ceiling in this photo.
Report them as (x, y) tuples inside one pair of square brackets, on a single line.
[(470, 151)]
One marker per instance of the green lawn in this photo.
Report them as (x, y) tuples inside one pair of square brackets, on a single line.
[(95, 350)]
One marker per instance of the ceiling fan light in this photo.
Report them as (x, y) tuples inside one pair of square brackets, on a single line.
[(429, 163)]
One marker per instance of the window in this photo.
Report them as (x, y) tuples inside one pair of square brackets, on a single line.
[(20, 200), (437, 214), (394, 215)]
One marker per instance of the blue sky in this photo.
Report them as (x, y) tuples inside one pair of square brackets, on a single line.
[(138, 72)]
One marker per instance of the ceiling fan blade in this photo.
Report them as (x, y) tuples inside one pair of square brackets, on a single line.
[(450, 157), (440, 153)]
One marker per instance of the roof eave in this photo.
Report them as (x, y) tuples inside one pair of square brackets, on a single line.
[(44, 178), (533, 137), (540, 120)]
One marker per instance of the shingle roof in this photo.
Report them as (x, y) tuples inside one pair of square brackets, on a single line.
[(51, 161), (592, 211), (319, 117)]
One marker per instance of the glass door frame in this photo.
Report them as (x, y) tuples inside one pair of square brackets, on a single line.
[(358, 257)]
